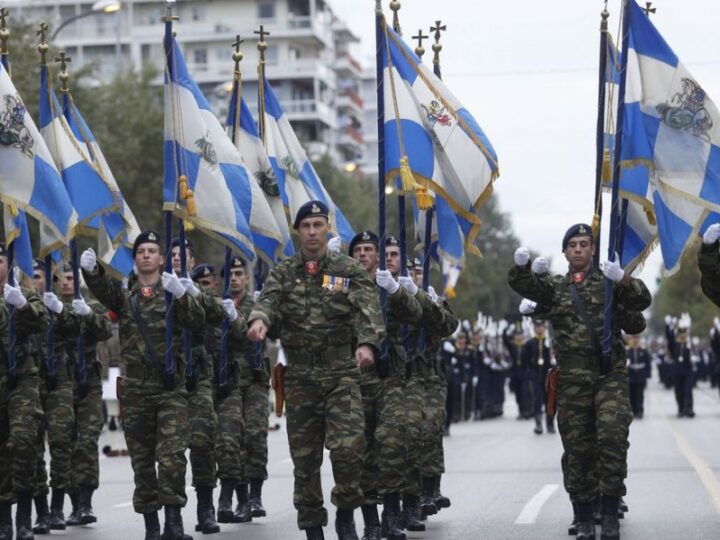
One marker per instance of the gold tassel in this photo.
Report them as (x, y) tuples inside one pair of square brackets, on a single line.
[(652, 220), (595, 226), (13, 211), (406, 176), (450, 293), (606, 175), (188, 226), (191, 208), (423, 198), (183, 187)]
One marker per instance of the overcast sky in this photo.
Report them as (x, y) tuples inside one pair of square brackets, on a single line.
[(528, 73)]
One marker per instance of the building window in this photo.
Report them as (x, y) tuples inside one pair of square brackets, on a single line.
[(271, 55), (266, 9), (199, 13), (200, 56)]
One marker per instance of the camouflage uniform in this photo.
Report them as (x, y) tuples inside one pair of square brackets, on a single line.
[(315, 315), (156, 419), (709, 264), (593, 408)]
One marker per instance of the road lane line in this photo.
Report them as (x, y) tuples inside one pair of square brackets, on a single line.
[(123, 505), (532, 509)]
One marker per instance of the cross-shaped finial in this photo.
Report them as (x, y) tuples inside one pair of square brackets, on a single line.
[(648, 9), (4, 32), (43, 30), (63, 59), (169, 6), (3, 16), (439, 28), (420, 50), (262, 33), (236, 44)]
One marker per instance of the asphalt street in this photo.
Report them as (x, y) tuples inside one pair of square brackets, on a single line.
[(504, 482)]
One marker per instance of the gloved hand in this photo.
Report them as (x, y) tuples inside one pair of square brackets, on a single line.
[(52, 302), (448, 347), (230, 309), (385, 280), (522, 256), (81, 308), (171, 283), (712, 234), (14, 296), (190, 287), (334, 244), (256, 295), (407, 283), (612, 269), (668, 320), (539, 266), (527, 307), (433, 295), (88, 260)]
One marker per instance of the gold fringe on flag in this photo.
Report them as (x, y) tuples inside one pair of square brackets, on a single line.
[(191, 208), (406, 175), (450, 293), (595, 226), (423, 198), (606, 174), (183, 187)]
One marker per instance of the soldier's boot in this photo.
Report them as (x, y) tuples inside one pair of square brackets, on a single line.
[(85, 509), (74, 518), (57, 517), (441, 501), (314, 533), (391, 517), (411, 513), (372, 522), (6, 528), (206, 511), (23, 517), (622, 507), (586, 522), (610, 528), (42, 522), (550, 424), (173, 529), (572, 529), (242, 510), (152, 526), (345, 524), (225, 511), (255, 500), (538, 425), (427, 500)]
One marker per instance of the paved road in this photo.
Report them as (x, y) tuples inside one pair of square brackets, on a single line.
[(504, 481)]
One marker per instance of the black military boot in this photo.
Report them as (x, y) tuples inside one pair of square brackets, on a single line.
[(173, 529), (6, 528), (391, 517), (23, 518), (206, 511), (57, 517), (152, 526), (242, 510), (572, 529), (85, 509), (74, 518), (538, 425), (441, 501), (622, 507), (225, 511), (345, 524), (411, 513), (585, 523), (550, 424), (372, 522), (314, 533), (42, 522), (255, 501), (427, 499), (610, 527)]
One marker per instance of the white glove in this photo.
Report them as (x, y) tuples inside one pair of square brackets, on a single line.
[(81, 308), (539, 266), (466, 325), (52, 302), (448, 347), (527, 307), (334, 244), (256, 295), (712, 234), (88, 260), (433, 295), (612, 269), (190, 287), (668, 320), (385, 280), (230, 310), (522, 256), (14, 296), (171, 283), (407, 283)]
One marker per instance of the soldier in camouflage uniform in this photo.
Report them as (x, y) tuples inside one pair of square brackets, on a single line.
[(20, 413), (709, 263), (593, 406), (156, 411), (324, 308)]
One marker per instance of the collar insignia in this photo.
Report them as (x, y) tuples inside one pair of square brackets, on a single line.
[(312, 267), (578, 277), (146, 291)]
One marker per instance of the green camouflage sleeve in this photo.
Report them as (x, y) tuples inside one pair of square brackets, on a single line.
[(108, 291), (212, 305), (636, 297), (524, 282), (404, 306), (97, 325), (631, 322), (66, 324), (437, 318), (367, 318), (267, 306), (31, 319), (239, 327), (709, 264), (189, 313)]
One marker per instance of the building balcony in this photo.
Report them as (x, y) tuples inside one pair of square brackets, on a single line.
[(347, 67), (218, 72), (352, 137)]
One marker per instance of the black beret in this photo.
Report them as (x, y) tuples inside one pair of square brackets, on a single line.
[(391, 241), (188, 244), (38, 265), (416, 263), (3, 251), (235, 262), (579, 229), (311, 209), (365, 237), (145, 237), (65, 268), (410, 264), (203, 270)]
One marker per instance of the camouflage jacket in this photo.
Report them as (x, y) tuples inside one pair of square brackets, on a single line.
[(332, 308), (438, 322), (709, 264), (29, 320), (572, 342), (187, 313), (65, 330), (96, 328), (202, 344)]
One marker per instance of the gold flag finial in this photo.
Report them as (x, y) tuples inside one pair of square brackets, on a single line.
[(420, 50), (439, 28), (395, 6), (63, 59), (169, 6), (237, 56), (42, 47), (604, 15), (262, 44), (4, 32)]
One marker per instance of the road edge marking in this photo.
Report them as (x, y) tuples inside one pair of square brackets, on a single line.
[(529, 514)]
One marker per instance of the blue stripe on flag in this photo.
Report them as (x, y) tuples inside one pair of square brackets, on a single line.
[(418, 146), (272, 105), (645, 38), (675, 232), (48, 190), (710, 190), (465, 115), (184, 79)]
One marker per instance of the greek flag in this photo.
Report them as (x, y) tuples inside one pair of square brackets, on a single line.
[(29, 179), (447, 237), (298, 181), (430, 138), (670, 151)]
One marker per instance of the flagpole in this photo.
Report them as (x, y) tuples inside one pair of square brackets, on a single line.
[(600, 135)]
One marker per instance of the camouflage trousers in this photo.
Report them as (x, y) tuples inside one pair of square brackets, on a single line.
[(594, 419), (59, 424), (20, 417), (324, 409), (88, 427), (229, 446), (434, 411), (203, 426), (255, 413), (157, 434), (414, 398), (384, 459)]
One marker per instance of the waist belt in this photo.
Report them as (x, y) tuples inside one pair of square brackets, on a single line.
[(318, 358)]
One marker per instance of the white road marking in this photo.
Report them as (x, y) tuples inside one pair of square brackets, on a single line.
[(532, 509), (123, 505), (288, 460)]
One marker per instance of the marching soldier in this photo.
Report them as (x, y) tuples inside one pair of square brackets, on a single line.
[(680, 350), (204, 274), (324, 307), (536, 360), (20, 412), (593, 405), (709, 263), (156, 410), (638, 367)]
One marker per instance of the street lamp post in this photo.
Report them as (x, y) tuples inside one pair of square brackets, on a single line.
[(101, 6)]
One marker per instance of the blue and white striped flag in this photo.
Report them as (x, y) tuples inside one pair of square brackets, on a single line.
[(298, 181)]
